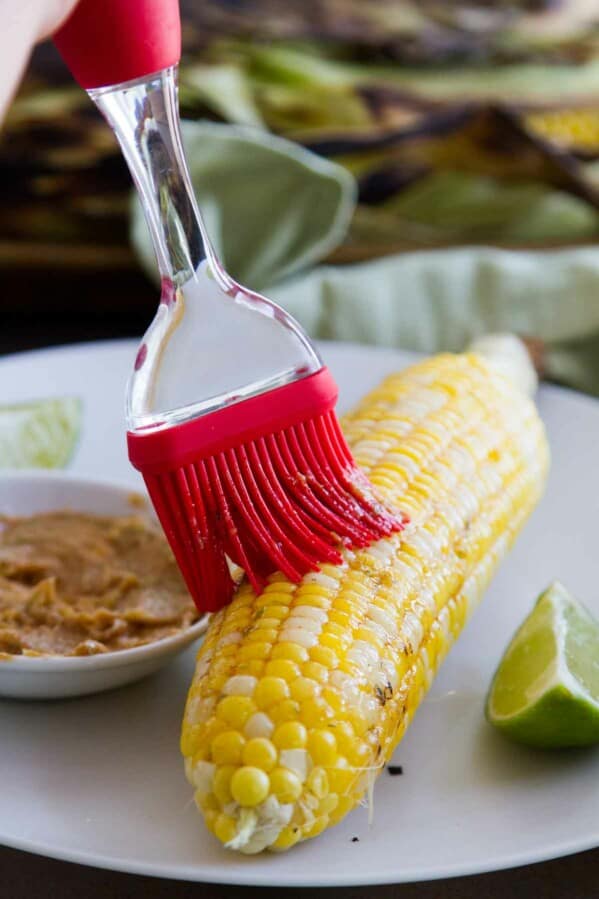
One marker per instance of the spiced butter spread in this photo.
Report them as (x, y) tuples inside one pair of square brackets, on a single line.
[(74, 584)]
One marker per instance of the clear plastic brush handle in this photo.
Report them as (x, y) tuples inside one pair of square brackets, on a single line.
[(212, 342)]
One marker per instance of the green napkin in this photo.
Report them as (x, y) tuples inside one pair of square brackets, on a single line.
[(271, 208), (274, 210), (441, 299)]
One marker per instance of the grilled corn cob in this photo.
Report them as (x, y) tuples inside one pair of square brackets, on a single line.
[(301, 694), (574, 130)]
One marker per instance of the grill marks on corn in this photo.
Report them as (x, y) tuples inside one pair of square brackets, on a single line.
[(328, 674)]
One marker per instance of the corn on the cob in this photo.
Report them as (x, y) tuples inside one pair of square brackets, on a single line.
[(301, 693), (571, 129)]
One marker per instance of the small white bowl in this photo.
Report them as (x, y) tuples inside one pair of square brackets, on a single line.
[(60, 677)]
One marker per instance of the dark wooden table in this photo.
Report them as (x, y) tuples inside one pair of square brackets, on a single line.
[(81, 314), (24, 876)]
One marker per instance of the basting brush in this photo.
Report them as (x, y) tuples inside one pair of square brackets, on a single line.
[(230, 408)]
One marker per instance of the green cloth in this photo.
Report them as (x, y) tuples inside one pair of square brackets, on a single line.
[(271, 208), (274, 210), (441, 299)]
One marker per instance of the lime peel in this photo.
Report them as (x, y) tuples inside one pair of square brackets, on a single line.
[(545, 692), (39, 434)]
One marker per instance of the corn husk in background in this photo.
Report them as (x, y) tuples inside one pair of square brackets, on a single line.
[(421, 100), (462, 123)]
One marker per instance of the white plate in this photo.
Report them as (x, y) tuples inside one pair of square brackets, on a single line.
[(100, 780)]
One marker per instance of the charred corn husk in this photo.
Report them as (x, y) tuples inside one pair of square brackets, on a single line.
[(301, 694)]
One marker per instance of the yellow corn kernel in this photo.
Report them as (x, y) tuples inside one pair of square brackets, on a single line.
[(303, 688), (270, 622), (210, 817), (249, 786), (358, 753), (285, 785), (211, 729), (315, 671), (259, 651), (358, 721), (322, 746), (291, 735), (337, 643), (344, 735), (341, 617), (345, 804), (329, 804), (263, 634), (283, 668), (260, 753), (341, 777), (315, 713), (222, 783), (217, 681), (292, 652), (202, 753), (334, 699), (309, 589), (278, 586), (229, 650), (337, 631), (268, 600), (227, 747), (207, 801), (287, 838), (190, 738), (314, 601), (284, 711), (278, 612), (317, 827), (255, 667), (324, 656), (225, 828), (269, 691), (364, 633), (235, 710)]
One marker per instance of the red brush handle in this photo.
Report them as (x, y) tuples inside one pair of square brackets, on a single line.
[(106, 42)]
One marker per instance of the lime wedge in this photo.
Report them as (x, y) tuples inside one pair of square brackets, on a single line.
[(39, 434), (545, 692)]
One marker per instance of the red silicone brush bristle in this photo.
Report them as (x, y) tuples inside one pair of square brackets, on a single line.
[(278, 503), (286, 501)]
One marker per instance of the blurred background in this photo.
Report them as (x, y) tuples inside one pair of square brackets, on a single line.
[(463, 140)]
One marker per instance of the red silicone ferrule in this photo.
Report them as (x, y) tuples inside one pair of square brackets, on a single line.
[(154, 452), (107, 42)]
